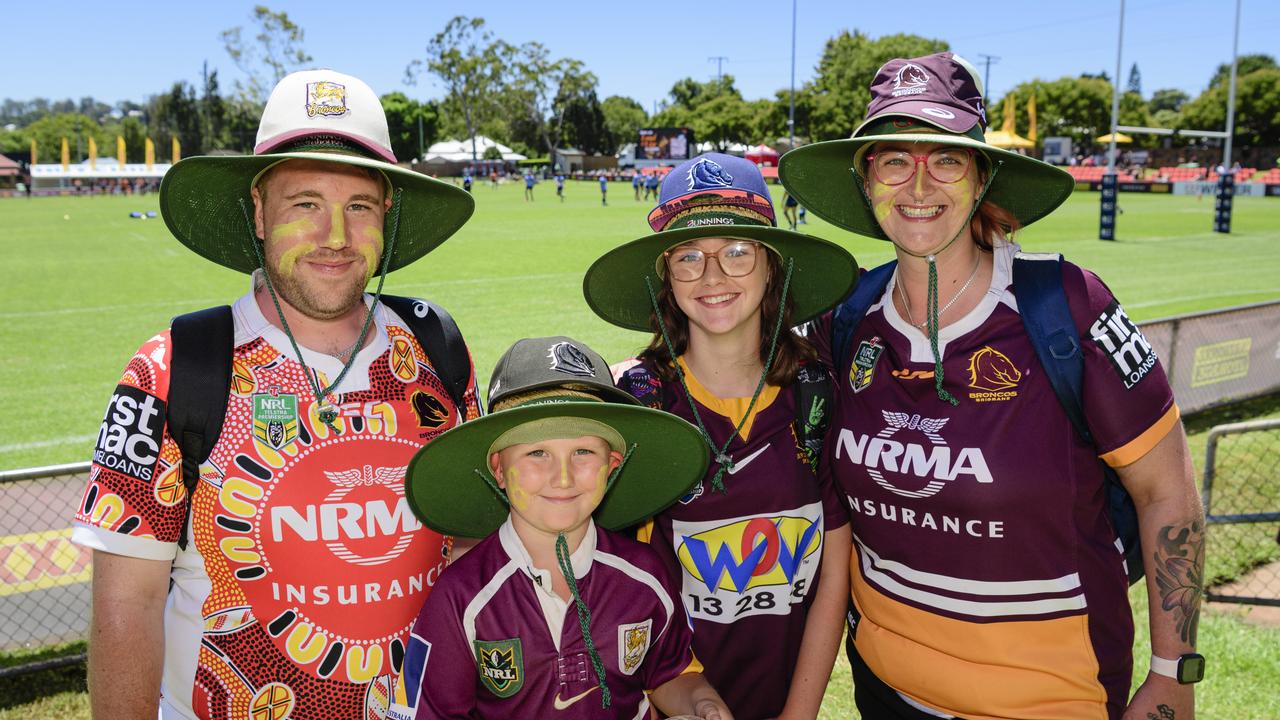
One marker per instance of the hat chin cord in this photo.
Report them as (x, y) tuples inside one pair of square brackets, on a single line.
[(720, 454), (327, 413), (565, 563), (931, 303)]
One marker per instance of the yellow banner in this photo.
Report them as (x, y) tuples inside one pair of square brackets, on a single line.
[(93, 154), (66, 156), (42, 560), (1031, 111), (177, 149), (120, 152), (150, 153), (33, 151), (1008, 115)]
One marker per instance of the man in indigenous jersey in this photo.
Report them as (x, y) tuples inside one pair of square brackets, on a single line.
[(987, 580), (286, 583), (553, 615)]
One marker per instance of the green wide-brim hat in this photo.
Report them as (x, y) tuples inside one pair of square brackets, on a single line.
[(826, 178), (446, 493), (615, 289), (206, 203)]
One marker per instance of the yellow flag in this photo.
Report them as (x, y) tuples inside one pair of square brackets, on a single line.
[(93, 154), (1008, 115), (33, 151), (120, 152), (150, 153), (1031, 111), (177, 149), (66, 156)]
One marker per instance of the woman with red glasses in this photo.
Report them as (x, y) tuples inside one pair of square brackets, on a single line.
[(990, 404), (760, 545)]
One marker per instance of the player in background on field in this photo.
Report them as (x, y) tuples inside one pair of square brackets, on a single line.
[(988, 578), (554, 615), (761, 543), (246, 598)]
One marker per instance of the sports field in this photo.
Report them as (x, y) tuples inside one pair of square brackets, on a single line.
[(84, 285)]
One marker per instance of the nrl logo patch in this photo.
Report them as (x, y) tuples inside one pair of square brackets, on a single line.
[(501, 666), (275, 418), (633, 644), (864, 364), (568, 359), (326, 98)]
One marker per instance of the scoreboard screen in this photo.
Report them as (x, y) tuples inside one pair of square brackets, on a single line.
[(665, 144)]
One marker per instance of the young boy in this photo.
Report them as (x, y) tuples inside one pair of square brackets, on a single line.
[(552, 614)]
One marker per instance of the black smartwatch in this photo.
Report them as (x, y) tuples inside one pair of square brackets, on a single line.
[(1187, 669)]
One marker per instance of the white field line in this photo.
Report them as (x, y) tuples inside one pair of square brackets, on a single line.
[(56, 442)]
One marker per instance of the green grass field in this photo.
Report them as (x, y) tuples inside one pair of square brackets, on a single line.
[(84, 285)]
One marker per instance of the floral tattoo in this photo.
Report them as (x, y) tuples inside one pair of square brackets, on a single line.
[(1166, 713), (1179, 560)]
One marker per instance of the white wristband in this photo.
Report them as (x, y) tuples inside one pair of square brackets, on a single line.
[(1164, 666)]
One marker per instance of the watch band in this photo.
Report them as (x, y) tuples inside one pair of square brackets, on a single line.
[(1164, 666)]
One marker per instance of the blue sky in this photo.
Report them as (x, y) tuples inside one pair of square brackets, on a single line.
[(130, 49)]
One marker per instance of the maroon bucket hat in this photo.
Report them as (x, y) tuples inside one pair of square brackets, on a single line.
[(936, 99)]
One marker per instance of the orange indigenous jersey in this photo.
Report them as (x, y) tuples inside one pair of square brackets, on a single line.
[(304, 567)]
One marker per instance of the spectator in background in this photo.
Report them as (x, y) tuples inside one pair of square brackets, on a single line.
[(528, 185), (635, 184), (604, 189)]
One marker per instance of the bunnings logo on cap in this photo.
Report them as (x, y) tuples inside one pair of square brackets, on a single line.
[(910, 80), (326, 98)]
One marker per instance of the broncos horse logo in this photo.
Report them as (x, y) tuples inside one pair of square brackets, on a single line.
[(568, 359), (910, 75), (706, 174)]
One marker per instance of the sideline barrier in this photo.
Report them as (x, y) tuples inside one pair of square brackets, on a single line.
[(1212, 359)]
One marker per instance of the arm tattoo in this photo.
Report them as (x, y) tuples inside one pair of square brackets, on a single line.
[(1166, 713), (1179, 561)]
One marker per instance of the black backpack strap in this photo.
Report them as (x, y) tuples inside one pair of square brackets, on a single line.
[(440, 338), (850, 312), (1046, 316), (199, 380)]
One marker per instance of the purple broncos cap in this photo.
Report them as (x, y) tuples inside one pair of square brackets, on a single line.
[(940, 89), (712, 182)]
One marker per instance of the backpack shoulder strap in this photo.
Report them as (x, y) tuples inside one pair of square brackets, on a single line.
[(814, 391), (1042, 303), (199, 380), (850, 312), (440, 338)]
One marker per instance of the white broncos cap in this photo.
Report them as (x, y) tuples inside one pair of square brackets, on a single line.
[(313, 103)]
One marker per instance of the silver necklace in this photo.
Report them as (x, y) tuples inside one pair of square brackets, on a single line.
[(906, 305)]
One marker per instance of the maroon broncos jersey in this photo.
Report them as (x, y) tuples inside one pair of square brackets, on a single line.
[(748, 559), (484, 647), (985, 571)]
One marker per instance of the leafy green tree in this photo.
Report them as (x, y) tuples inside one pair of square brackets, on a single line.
[(839, 93), (623, 118), (403, 115), (1079, 108), (175, 114), (544, 89), (1167, 99), (1257, 116), (466, 58), (1245, 65), (274, 51), (49, 130), (1135, 81)]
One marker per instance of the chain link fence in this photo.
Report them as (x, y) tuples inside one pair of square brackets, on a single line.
[(1242, 507), (44, 578)]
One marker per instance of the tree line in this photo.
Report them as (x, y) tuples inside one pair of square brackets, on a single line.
[(525, 97)]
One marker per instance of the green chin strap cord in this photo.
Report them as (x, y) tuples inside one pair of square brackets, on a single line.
[(327, 413)]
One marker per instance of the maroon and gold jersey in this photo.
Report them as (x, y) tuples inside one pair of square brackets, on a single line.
[(304, 567), (749, 558), (985, 572), (494, 642)]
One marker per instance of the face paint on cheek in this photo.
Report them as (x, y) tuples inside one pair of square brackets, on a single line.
[(884, 207), (371, 251), (516, 495), (602, 484), (296, 230)]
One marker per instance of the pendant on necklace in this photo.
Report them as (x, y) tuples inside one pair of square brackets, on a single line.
[(327, 414)]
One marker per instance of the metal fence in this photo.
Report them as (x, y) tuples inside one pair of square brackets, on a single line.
[(1241, 494)]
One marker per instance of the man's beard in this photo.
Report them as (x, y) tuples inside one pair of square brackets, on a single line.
[(317, 300)]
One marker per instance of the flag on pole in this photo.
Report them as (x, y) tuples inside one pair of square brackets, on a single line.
[(120, 151), (177, 149), (1008, 115), (93, 154), (150, 153), (33, 151), (66, 156), (1031, 111)]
